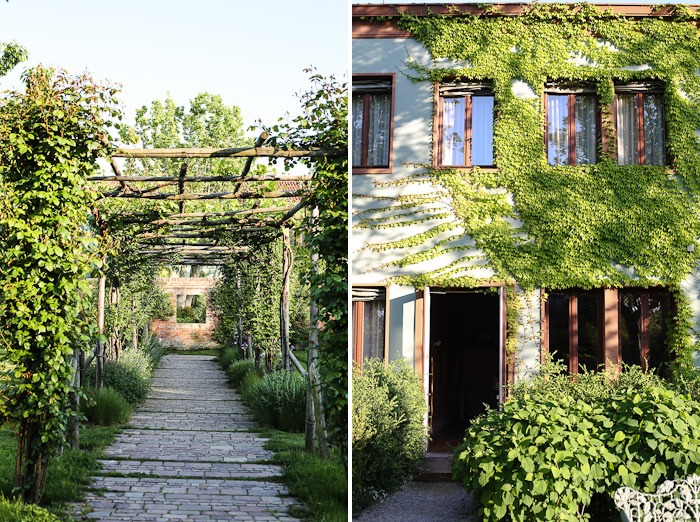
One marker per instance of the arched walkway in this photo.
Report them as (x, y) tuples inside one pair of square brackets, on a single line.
[(189, 455)]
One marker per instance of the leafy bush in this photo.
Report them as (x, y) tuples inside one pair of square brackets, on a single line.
[(129, 376), (550, 455), (388, 434), (106, 407), (278, 400), (237, 370), (16, 511)]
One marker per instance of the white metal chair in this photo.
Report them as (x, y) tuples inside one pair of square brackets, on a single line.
[(674, 501)]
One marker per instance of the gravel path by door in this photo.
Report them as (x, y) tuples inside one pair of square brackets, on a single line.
[(189, 455), (424, 502)]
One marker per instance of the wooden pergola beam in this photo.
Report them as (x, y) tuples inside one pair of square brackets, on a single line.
[(202, 179), (275, 194), (243, 212), (233, 152)]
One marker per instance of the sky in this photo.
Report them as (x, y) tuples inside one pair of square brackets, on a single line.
[(252, 54)]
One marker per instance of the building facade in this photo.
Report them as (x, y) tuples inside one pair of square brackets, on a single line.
[(525, 183)]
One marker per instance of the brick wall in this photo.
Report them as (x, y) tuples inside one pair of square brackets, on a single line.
[(185, 335)]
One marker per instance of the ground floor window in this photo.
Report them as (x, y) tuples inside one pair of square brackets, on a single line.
[(369, 323), (595, 329)]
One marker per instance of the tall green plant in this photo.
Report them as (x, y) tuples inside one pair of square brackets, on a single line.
[(51, 135)]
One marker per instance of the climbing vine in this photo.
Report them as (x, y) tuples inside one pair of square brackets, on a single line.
[(589, 226), (51, 135)]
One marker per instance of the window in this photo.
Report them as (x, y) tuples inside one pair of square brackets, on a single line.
[(644, 316), (588, 329), (575, 329), (372, 122), (639, 119), (369, 323), (572, 126), (465, 125)]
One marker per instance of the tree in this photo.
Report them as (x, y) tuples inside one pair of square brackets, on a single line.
[(52, 136), (11, 54)]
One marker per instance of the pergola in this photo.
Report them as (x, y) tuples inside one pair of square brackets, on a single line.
[(195, 238)]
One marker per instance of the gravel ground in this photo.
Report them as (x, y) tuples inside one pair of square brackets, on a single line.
[(424, 502)]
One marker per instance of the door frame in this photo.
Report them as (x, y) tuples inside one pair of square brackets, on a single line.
[(422, 339)]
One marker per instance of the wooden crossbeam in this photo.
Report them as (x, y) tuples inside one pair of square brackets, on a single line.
[(126, 218), (214, 195), (233, 152), (203, 179)]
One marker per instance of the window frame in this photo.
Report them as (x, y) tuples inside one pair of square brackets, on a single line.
[(481, 89), (639, 90), (361, 168), (572, 91), (358, 313)]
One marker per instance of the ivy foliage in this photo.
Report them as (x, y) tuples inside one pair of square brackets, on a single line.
[(324, 124), (52, 135), (566, 226)]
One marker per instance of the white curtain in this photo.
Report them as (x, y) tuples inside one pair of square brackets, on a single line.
[(379, 126), (586, 141), (373, 330), (453, 131), (482, 130), (627, 134), (654, 148), (357, 110), (558, 129)]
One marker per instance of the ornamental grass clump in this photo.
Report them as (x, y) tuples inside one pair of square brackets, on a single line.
[(278, 400), (237, 371), (550, 455), (106, 407)]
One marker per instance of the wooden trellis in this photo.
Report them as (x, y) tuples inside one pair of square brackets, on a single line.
[(194, 237)]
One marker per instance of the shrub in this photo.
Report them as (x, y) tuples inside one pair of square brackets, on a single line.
[(229, 355), (129, 376), (550, 455), (388, 434), (16, 511), (153, 348), (237, 370), (250, 380), (106, 407), (278, 400)]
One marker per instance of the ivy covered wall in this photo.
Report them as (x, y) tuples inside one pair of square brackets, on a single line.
[(527, 222)]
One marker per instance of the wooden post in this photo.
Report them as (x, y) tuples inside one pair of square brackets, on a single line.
[(74, 421), (284, 298), (100, 352), (314, 382)]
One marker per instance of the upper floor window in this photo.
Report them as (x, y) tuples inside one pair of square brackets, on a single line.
[(465, 125), (639, 120), (572, 126), (372, 122)]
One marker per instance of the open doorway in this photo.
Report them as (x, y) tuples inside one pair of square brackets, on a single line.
[(465, 345)]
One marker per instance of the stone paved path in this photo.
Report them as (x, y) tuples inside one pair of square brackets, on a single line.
[(189, 455)]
